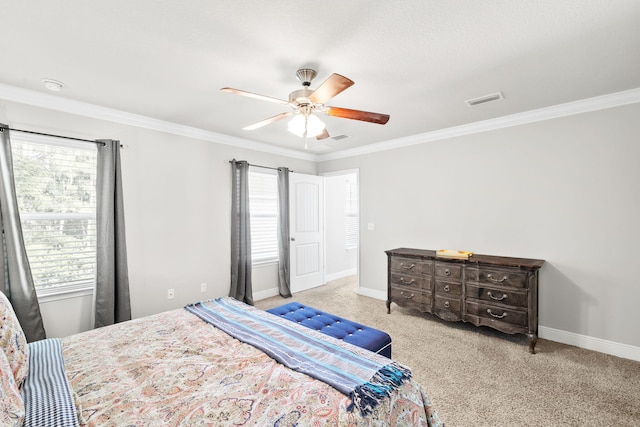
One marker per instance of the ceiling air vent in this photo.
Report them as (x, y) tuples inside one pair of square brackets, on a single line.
[(484, 99), (339, 137)]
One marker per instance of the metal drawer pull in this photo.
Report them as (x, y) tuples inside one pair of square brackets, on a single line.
[(490, 277), (407, 297), (497, 316), (447, 272), (405, 282), (446, 288), (504, 296), (446, 304), (407, 268)]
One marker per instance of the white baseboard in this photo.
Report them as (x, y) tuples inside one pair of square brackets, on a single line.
[(340, 274), (625, 351), (590, 343), (373, 293), (257, 296)]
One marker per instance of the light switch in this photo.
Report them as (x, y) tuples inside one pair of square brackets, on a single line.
[(371, 226)]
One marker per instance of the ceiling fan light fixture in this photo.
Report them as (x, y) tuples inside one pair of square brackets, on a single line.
[(311, 123)]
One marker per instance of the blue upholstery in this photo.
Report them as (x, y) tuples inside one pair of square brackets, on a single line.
[(337, 327)]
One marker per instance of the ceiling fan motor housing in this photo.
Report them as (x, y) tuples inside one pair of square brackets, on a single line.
[(300, 97), (305, 76)]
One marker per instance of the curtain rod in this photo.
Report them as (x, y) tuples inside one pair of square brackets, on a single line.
[(260, 166), (48, 134)]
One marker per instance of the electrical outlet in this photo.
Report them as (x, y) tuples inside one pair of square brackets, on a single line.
[(203, 287), (170, 294)]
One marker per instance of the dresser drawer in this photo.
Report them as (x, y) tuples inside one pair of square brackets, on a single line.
[(495, 312), (444, 288), (411, 281), (448, 270), (507, 296), (452, 304), (410, 265), (415, 297), (497, 276)]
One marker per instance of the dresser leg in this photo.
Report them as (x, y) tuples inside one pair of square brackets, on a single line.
[(388, 307), (533, 339)]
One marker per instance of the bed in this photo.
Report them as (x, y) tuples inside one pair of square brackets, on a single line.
[(181, 368)]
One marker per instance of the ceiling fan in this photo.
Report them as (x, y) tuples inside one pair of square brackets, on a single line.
[(305, 102)]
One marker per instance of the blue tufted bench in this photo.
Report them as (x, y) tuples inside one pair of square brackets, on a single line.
[(337, 327)]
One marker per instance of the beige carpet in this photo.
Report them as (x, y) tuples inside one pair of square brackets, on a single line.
[(477, 376)]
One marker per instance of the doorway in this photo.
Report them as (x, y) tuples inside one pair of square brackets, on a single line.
[(342, 219)]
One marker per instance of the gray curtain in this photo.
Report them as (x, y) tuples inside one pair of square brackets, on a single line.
[(284, 280), (16, 281), (112, 302), (240, 233)]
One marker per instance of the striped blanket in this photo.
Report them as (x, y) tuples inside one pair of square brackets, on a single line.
[(47, 395), (364, 379)]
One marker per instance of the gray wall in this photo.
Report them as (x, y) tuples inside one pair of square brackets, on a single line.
[(565, 190), (177, 194)]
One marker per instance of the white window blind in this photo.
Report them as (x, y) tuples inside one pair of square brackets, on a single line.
[(351, 215), (56, 192), (263, 207)]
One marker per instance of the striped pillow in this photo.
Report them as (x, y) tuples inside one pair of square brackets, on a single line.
[(13, 341)]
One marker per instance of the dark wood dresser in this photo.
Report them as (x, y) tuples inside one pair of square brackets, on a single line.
[(499, 292)]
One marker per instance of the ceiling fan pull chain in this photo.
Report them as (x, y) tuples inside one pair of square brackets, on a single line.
[(306, 119)]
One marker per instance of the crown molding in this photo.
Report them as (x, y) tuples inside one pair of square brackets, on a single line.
[(616, 99), (44, 100)]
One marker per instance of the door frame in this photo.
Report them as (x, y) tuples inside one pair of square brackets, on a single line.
[(340, 173)]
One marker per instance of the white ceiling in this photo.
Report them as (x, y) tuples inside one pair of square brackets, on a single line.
[(417, 60)]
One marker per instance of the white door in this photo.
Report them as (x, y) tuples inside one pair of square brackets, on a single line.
[(306, 223)]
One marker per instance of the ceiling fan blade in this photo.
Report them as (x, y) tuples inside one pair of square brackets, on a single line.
[(330, 88), (268, 121), (254, 95), (323, 135), (364, 116)]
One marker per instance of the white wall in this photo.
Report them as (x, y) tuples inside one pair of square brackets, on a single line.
[(177, 193), (565, 190), (339, 261)]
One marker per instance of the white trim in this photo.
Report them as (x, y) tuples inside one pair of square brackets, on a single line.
[(590, 343), (340, 274), (625, 351), (45, 100), (355, 171), (268, 293), (61, 294), (562, 110), (372, 293), (570, 338)]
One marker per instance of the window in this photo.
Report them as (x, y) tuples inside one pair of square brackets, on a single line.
[(56, 192), (351, 215), (263, 207)]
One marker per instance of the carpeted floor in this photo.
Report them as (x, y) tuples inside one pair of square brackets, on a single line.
[(477, 376)]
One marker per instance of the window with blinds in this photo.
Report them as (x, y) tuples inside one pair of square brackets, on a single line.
[(263, 209), (351, 232), (56, 192)]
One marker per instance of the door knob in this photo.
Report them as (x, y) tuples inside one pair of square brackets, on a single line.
[(293, 239)]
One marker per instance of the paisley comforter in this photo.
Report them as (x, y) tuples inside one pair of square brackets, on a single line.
[(174, 369)]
